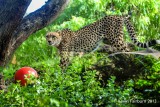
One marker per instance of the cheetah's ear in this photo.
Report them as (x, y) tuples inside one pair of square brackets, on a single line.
[(58, 34)]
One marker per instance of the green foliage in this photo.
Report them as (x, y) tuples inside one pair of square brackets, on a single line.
[(79, 86), (149, 82), (69, 89)]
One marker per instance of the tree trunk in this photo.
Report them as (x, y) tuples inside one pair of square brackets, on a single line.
[(15, 28)]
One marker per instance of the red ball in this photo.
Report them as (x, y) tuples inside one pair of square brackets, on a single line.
[(23, 73)]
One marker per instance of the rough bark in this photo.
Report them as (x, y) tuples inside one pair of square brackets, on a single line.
[(15, 28)]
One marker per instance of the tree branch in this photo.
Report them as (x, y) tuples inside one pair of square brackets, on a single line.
[(11, 14), (152, 52), (37, 20)]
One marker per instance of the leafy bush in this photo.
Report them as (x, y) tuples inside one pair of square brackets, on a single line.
[(79, 85)]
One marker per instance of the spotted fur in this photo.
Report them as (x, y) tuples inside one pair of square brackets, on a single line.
[(89, 37)]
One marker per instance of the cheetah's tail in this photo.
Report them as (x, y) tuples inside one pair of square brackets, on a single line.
[(132, 34)]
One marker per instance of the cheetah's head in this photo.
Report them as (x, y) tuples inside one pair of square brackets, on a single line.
[(53, 38)]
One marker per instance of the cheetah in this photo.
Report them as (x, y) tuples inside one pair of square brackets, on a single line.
[(88, 38)]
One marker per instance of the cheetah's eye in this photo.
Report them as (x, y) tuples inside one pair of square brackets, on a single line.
[(53, 36)]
